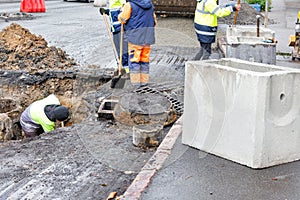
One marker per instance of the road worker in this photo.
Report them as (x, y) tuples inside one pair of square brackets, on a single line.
[(139, 19), (41, 115), (113, 12), (206, 24)]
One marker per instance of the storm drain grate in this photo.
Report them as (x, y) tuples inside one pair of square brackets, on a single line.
[(106, 108), (177, 105)]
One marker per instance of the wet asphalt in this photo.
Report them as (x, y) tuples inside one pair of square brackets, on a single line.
[(187, 173), (91, 159), (190, 174)]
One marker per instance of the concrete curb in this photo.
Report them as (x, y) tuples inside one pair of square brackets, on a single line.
[(155, 163)]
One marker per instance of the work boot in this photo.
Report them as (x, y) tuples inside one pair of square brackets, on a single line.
[(198, 55)]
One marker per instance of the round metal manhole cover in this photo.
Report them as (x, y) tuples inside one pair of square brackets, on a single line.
[(145, 103), (147, 108)]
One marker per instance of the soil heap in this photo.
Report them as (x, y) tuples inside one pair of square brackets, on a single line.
[(246, 16), (21, 50)]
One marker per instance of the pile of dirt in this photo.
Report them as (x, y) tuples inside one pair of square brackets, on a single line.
[(21, 50), (246, 16)]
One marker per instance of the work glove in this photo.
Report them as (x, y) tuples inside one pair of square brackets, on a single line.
[(234, 8), (232, 4), (104, 11)]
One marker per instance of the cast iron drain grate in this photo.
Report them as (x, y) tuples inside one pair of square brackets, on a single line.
[(177, 105)]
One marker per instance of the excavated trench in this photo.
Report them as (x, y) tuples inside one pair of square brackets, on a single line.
[(24, 88), (30, 70)]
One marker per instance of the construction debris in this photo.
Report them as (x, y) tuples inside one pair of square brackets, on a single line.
[(16, 16)]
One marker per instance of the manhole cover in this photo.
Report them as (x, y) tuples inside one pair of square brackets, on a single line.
[(177, 105), (147, 108)]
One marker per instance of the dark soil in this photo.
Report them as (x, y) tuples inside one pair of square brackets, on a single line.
[(21, 50), (246, 16)]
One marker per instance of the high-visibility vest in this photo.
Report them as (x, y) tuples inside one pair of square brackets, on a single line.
[(114, 11), (206, 19), (38, 115), (208, 11), (113, 17), (116, 3)]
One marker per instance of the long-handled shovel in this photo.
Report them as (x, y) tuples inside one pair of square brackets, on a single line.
[(118, 81), (236, 14), (102, 12)]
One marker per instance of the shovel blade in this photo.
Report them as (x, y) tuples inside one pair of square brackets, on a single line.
[(118, 82)]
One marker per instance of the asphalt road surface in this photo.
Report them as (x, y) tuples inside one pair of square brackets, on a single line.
[(90, 160)]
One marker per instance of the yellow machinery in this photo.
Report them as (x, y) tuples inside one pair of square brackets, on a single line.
[(294, 40)]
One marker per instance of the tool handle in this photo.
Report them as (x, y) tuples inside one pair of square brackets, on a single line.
[(110, 37), (121, 48), (236, 14)]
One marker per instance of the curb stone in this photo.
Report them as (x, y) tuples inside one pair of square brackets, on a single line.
[(155, 163)]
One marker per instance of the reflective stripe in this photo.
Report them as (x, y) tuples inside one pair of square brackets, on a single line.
[(215, 10), (203, 4), (202, 11), (116, 23), (114, 9), (205, 32)]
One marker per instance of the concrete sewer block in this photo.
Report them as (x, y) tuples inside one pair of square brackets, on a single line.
[(243, 43), (147, 135), (106, 108), (243, 111)]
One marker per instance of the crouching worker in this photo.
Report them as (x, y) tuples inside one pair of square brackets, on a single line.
[(41, 115)]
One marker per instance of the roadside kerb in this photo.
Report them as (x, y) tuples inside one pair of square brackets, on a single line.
[(143, 179)]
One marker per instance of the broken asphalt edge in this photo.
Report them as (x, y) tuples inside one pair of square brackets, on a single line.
[(154, 164)]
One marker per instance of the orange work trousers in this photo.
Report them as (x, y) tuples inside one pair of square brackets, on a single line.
[(139, 57)]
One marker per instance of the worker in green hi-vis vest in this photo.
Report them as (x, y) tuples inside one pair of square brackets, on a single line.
[(41, 115)]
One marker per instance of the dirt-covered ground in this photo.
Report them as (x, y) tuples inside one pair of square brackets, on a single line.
[(92, 157), (86, 160)]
